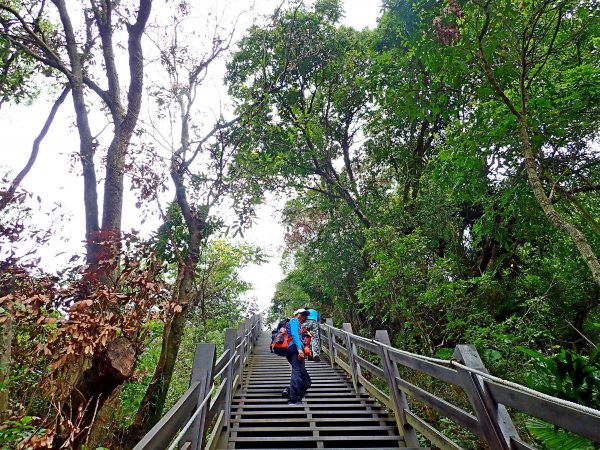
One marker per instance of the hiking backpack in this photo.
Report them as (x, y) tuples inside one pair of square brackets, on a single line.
[(282, 340)]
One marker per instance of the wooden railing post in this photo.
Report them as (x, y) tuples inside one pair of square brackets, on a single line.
[(251, 322), (241, 331), (203, 372), (354, 367), (494, 420), (252, 331), (331, 339), (247, 338), (399, 401), (230, 337), (255, 328)]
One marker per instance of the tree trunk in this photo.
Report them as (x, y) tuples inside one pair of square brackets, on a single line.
[(555, 218), (108, 371), (151, 406), (86, 140), (419, 161), (6, 334), (115, 160), (100, 432)]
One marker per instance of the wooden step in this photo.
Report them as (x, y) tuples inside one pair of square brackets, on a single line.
[(335, 448), (370, 430), (315, 407), (289, 437), (315, 401), (352, 421)]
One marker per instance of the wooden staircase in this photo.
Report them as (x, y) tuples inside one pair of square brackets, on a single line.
[(219, 412), (333, 414)]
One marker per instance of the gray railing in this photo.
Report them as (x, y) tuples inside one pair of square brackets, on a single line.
[(206, 405), (487, 395)]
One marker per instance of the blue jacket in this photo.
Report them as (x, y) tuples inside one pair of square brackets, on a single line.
[(313, 314), (293, 329)]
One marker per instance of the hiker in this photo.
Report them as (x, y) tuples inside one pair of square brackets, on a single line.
[(300, 379), (312, 326)]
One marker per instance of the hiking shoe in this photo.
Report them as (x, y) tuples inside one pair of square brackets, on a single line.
[(295, 403), (285, 393), (317, 358)]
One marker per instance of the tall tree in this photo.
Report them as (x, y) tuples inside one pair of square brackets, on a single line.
[(198, 168), (69, 49), (300, 91), (520, 53)]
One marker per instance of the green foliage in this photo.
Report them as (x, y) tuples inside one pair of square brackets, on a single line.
[(568, 375), (303, 104), (218, 304), (498, 342), (16, 78), (172, 235), (457, 249), (20, 80), (551, 438), (219, 288), (289, 295), (14, 431), (213, 332)]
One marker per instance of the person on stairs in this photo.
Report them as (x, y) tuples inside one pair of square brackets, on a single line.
[(312, 326), (300, 380)]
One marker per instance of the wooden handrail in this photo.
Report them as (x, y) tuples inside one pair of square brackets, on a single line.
[(184, 426), (488, 396)]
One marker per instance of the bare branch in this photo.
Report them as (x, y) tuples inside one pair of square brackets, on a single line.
[(219, 126), (9, 194)]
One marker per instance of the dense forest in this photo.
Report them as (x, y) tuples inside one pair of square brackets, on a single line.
[(441, 173)]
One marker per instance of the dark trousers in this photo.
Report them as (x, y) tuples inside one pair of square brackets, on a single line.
[(300, 380)]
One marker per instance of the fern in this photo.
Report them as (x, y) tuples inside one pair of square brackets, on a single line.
[(554, 439)]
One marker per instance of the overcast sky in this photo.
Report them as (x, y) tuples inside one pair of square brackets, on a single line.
[(51, 180)]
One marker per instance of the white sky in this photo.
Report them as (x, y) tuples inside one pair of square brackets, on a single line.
[(53, 182)]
